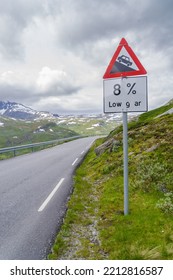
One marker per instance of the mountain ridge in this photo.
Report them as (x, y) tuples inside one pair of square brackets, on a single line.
[(19, 111)]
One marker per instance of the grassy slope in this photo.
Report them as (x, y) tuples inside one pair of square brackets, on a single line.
[(85, 126), (95, 227), (16, 132)]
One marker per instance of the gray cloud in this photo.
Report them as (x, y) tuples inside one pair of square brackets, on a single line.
[(82, 27), (78, 37), (14, 18), (49, 84), (86, 21), (79, 23), (89, 21)]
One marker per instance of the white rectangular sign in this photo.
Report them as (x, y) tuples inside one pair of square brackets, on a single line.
[(126, 94)]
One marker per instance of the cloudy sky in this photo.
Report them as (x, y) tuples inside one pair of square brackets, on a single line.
[(53, 53)]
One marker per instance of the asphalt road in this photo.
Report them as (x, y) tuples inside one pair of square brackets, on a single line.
[(34, 190)]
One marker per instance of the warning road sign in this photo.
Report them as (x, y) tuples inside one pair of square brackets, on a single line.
[(124, 63)]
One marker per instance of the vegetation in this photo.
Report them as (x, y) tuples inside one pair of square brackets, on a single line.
[(90, 126), (20, 132), (95, 226)]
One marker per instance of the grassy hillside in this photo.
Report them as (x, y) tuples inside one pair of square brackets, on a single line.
[(15, 132), (89, 125), (95, 226), (18, 132)]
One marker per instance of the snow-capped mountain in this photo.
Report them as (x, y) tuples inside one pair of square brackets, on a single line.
[(19, 111)]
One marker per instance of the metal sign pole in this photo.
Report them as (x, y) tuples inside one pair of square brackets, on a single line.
[(125, 151)]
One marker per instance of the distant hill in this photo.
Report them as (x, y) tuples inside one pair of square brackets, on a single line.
[(20, 111), (20, 124)]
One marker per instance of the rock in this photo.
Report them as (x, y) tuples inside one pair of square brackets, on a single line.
[(154, 147), (109, 144)]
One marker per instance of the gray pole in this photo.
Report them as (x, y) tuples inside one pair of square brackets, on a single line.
[(125, 150)]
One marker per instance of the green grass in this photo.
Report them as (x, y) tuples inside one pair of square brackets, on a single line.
[(87, 126), (17, 132), (95, 226)]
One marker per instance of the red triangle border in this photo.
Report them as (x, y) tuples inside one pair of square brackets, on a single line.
[(141, 70)]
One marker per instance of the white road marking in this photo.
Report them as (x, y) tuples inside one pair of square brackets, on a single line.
[(82, 152), (89, 146), (75, 161), (50, 196)]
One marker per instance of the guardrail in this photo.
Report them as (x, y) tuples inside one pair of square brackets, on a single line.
[(33, 145)]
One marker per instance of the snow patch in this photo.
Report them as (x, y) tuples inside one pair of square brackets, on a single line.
[(96, 125), (62, 121), (71, 123), (2, 111)]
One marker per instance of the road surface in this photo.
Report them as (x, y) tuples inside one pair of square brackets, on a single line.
[(34, 190)]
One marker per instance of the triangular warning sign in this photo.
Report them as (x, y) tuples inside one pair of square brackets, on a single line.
[(124, 63)]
